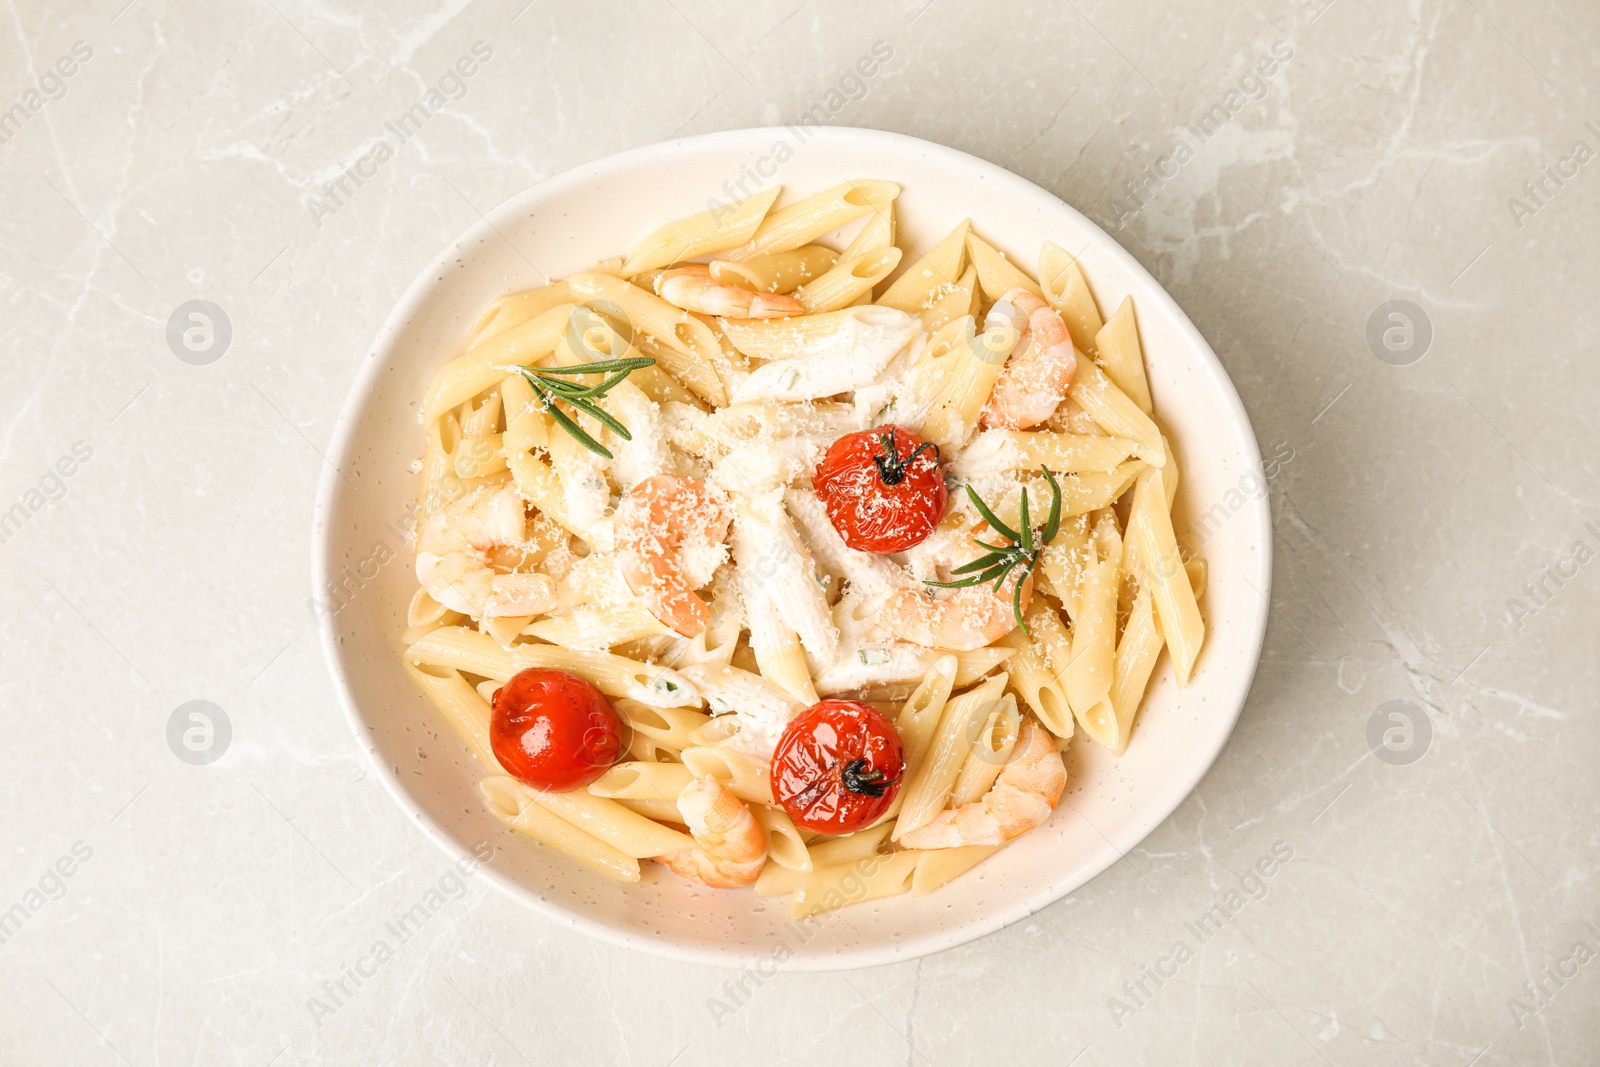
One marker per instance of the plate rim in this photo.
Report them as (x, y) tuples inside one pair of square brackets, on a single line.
[(342, 439)]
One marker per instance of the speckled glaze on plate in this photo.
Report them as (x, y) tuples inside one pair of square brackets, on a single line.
[(566, 224)]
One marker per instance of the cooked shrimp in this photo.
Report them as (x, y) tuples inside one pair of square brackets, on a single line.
[(731, 846), (1022, 797), (670, 532), (456, 555), (692, 289), (959, 620), (1035, 379)]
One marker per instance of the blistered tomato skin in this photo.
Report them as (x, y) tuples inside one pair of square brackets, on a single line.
[(837, 767), (553, 730), (883, 488)]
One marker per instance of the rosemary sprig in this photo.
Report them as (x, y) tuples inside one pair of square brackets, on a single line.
[(1024, 550), (551, 384)]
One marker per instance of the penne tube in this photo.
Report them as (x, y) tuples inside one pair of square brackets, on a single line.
[(942, 266), (1137, 653), (598, 626), (781, 273), (745, 778), (527, 423), (475, 653), (917, 722), (622, 828), (514, 309), (805, 220), (847, 280), (671, 727), (952, 417), (726, 688), (937, 867), (952, 302), (476, 370), (827, 852), (785, 847), (927, 791), (1114, 412), (979, 662), (642, 780), (1037, 670), (659, 810), (991, 747), (461, 707), (997, 274), (878, 231), (724, 226), (1196, 569), (1064, 287), (934, 365), (512, 803), (686, 346), (1069, 453), (1176, 610), (1117, 346), (1094, 627), (853, 883)]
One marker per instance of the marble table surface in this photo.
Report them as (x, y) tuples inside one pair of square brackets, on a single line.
[(1391, 240)]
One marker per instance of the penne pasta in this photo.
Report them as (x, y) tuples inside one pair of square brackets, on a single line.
[(477, 369), (512, 803), (686, 347), (1117, 345), (620, 827), (616, 487), (1119, 416), (642, 780), (722, 227), (1176, 610), (991, 747), (872, 878), (997, 274), (1064, 287), (927, 791), (847, 280), (939, 866), (804, 221), (785, 847), (461, 707), (745, 778), (919, 285), (783, 272), (458, 647), (1038, 668)]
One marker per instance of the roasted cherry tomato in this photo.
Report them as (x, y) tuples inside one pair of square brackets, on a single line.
[(837, 767), (883, 488), (553, 730)]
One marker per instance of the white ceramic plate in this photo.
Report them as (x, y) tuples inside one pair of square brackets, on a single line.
[(566, 224)]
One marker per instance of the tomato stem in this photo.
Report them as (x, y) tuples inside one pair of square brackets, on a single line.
[(857, 779), (891, 468)]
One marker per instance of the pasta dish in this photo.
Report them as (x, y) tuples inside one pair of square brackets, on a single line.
[(754, 555)]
